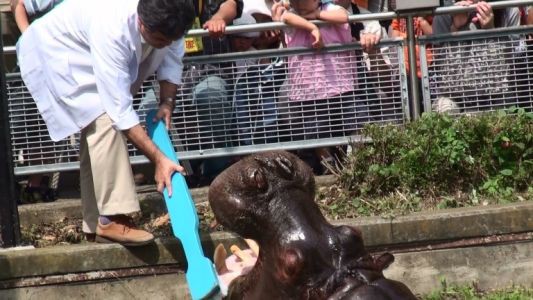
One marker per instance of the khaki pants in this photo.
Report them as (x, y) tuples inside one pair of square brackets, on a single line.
[(106, 178)]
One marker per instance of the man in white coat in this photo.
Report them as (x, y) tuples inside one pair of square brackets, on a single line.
[(82, 62)]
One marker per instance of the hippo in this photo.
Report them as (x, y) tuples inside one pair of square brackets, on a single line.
[(269, 198)]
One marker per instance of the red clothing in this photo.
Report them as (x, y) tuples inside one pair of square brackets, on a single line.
[(400, 27)]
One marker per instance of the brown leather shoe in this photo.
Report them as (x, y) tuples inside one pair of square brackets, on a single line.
[(122, 230), (89, 237)]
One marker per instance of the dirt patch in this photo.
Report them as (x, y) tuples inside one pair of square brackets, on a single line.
[(69, 231)]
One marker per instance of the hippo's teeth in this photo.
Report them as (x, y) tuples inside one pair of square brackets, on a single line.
[(253, 245), (220, 259), (245, 257)]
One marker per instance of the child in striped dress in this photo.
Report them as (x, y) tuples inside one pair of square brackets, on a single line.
[(321, 85)]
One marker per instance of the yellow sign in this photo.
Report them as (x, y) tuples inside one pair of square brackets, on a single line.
[(194, 44)]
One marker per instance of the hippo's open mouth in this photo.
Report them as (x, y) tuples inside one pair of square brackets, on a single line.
[(269, 197)]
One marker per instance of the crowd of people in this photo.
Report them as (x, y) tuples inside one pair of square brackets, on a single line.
[(84, 62), (326, 94)]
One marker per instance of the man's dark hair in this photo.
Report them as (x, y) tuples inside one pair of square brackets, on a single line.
[(172, 18)]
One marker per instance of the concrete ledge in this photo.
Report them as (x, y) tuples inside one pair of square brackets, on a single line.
[(167, 286), (463, 223), (34, 214), (445, 224), (70, 208), (492, 267), (95, 257), (377, 232)]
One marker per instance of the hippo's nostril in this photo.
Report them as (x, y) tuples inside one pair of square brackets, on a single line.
[(290, 263)]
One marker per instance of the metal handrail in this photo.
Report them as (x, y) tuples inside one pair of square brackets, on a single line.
[(352, 18), (468, 34), (449, 10)]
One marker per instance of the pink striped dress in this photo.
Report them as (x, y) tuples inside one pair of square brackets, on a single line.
[(320, 76)]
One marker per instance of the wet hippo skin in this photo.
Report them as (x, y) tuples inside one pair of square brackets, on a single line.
[(269, 197)]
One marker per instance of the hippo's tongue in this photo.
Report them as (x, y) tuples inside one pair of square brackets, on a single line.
[(234, 268)]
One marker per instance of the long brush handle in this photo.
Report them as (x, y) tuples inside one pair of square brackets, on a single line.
[(201, 275)]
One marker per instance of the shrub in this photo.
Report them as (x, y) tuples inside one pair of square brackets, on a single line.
[(439, 154)]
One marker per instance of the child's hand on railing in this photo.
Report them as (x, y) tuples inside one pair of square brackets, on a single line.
[(277, 10), (317, 43)]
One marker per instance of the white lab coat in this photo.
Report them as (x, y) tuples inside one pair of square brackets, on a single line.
[(84, 58)]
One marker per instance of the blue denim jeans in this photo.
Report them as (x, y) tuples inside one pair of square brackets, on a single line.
[(211, 99), (255, 104)]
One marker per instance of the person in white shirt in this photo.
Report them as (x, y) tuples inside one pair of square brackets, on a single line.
[(81, 63), (24, 11)]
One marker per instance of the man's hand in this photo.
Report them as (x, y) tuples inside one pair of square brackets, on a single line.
[(460, 20), (369, 41), (485, 15), (165, 113), (216, 27), (164, 168)]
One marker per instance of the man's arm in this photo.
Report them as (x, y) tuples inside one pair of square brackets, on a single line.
[(167, 102), (425, 26), (371, 34), (169, 76), (164, 167), (19, 12)]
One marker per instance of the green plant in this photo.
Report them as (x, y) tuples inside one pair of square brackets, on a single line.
[(438, 155), (473, 292)]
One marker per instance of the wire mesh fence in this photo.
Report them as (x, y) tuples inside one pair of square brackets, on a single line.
[(480, 74), (245, 102)]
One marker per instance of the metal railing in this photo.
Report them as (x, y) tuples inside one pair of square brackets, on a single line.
[(223, 109)]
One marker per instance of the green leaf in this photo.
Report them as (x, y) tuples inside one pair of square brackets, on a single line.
[(373, 168), (520, 146), (506, 172)]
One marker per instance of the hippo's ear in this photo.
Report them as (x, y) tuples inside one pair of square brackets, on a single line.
[(285, 167)]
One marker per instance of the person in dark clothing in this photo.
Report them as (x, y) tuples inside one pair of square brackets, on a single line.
[(204, 104)]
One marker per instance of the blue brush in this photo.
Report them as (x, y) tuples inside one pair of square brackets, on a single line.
[(201, 275)]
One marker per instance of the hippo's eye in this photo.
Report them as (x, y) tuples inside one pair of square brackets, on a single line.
[(258, 179)]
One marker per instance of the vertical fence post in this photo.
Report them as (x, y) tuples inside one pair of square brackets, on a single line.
[(424, 70), (9, 221), (413, 77)]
